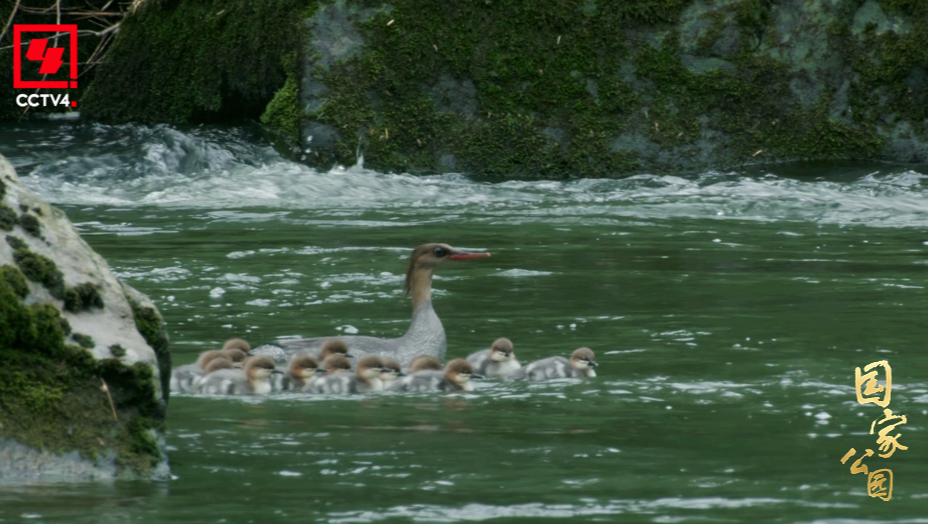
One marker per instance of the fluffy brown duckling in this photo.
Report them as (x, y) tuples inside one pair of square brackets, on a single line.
[(237, 343), (254, 379), (391, 372), (184, 377), (424, 362), (581, 364), (299, 376), (497, 362), (365, 379), (455, 377)]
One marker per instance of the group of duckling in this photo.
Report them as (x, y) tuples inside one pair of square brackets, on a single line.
[(230, 371)]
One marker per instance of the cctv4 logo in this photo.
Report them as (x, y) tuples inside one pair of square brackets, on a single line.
[(49, 60)]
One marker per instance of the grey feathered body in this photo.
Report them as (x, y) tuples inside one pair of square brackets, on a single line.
[(425, 336), (184, 377), (547, 369), (341, 384), (285, 381), (228, 382), (484, 365), (426, 380)]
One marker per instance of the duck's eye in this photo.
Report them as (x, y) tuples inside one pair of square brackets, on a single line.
[(440, 252)]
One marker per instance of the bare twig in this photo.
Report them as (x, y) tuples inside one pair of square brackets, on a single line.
[(10, 21), (107, 391)]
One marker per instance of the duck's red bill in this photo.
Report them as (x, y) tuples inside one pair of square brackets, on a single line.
[(465, 256)]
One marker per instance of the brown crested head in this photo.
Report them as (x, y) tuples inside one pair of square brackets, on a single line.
[(370, 362), (459, 366), (302, 362), (208, 356), (503, 345), (336, 363), (333, 347), (423, 362), (239, 343), (584, 354), (260, 363), (428, 256), (235, 354), (390, 364), (217, 364)]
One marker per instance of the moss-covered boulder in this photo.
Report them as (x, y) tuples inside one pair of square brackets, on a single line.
[(71, 406), (543, 88)]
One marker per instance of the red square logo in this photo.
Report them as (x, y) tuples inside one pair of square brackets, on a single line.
[(40, 53)]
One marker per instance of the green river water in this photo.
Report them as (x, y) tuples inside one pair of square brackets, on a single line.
[(727, 310)]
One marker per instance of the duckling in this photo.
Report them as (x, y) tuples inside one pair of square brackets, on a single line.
[(365, 379), (581, 364), (424, 362), (253, 380), (217, 364), (184, 377), (237, 343), (299, 376), (333, 347), (236, 355), (391, 372), (497, 362), (336, 363), (455, 377)]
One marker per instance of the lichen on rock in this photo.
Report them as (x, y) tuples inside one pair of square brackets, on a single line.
[(56, 420)]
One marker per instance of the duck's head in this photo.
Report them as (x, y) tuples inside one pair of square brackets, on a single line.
[(336, 363), (423, 362), (260, 368), (583, 358), (236, 355), (303, 366), (391, 370), (239, 343), (219, 363), (501, 351), (459, 371), (333, 347), (369, 367), (430, 256), (208, 356)]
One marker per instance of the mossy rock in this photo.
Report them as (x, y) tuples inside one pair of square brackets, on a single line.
[(151, 326), (83, 296), (31, 224), (41, 269), (15, 242), (8, 218), (84, 341), (15, 279)]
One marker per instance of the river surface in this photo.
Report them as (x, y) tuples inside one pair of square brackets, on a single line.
[(727, 310)]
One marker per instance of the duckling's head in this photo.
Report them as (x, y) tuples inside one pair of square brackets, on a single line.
[(391, 370), (583, 358), (501, 351), (459, 371), (423, 362), (208, 356), (369, 367), (336, 363), (333, 347), (260, 368), (237, 343), (235, 354), (218, 363), (303, 366)]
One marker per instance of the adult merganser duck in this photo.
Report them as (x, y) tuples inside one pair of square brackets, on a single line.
[(253, 380), (581, 364), (365, 379), (497, 362), (455, 377), (425, 335)]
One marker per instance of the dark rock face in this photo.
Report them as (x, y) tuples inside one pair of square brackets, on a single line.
[(582, 88), (81, 389)]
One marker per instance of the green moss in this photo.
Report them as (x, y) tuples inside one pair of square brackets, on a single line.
[(15, 242), (284, 113), (8, 217), (31, 224), (200, 61), (83, 296), (85, 341), (151, 327), (41, 269), (2, 190), (15, 279), (117, 351)]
